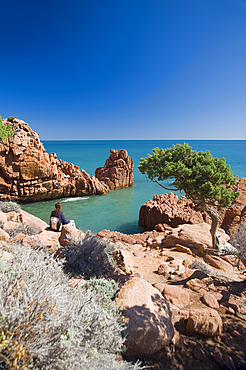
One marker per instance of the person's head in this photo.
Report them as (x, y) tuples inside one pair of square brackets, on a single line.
[(58, 209)]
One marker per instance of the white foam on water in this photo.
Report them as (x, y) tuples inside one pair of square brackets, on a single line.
[(74, 199)]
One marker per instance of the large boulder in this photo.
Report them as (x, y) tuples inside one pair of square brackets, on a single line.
[(28, 173), (69, 235), (205, 321), (147, 316), (117, 171), (197, 236), (29, 219)]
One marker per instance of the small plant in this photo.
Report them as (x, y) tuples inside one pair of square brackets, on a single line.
[(89, 257), (11, 119), (5, 130), (238, 240), (9, 206), (21, 228), (199, 265)]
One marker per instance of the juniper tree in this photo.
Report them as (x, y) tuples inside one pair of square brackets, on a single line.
[(206, 180)]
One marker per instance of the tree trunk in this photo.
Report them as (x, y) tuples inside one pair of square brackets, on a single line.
[(219, 250), (214, 226)]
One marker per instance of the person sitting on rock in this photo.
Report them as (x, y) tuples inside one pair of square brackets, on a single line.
[(57, 218)]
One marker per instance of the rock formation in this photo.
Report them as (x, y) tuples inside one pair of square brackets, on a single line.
[(28, 173), (117, 171), (170, 210)]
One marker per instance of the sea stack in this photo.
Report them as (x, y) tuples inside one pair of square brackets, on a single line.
[(117, 171)]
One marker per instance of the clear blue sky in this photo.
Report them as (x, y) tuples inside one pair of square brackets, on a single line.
[(125, 69)]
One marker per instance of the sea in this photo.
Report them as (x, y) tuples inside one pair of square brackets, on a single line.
[(118, 210)]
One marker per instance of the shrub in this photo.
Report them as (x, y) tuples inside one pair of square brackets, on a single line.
[(199, 265), (238, 240), (46, 324), (89, 257), (9, 206), (11, 119), (27, 229), (5, 130)]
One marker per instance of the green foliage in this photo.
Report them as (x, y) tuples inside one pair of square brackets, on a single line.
[(11, 119), (5, 130), (203, 178)]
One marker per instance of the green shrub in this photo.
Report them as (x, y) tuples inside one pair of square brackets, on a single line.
[(46, 324), (11, 119), (9, 206), (5, 130)]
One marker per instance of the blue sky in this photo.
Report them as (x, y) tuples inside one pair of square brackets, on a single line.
[(125, 69)]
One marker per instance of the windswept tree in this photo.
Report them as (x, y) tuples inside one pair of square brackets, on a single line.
[(206, 180), (5, 130)]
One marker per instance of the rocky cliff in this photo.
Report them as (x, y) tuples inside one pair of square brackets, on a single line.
[(28, 173), (117, 171)]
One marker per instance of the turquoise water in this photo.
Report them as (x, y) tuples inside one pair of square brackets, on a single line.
[(119, 209)]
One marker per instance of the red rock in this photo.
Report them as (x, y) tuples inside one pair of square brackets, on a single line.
[(28, 173), (196, 285), (124, 260), (206, 322), (177, 296), (147, 316), (69, 235), (3, 217), (164, 269), (168, 209), (117, 171), (209, 300), (193, 236), (3, 235), (16, 238), (29, 219)]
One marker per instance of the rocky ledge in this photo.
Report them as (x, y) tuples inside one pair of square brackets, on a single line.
[(28, 173)]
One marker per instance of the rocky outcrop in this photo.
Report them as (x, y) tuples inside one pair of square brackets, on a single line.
[(117, 171), (170, 210), (28, 173)]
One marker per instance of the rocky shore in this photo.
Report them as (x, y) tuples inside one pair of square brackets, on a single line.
[(29, 174), (181, 306)]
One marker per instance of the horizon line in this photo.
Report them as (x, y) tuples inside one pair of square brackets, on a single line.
[(225, 139)]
